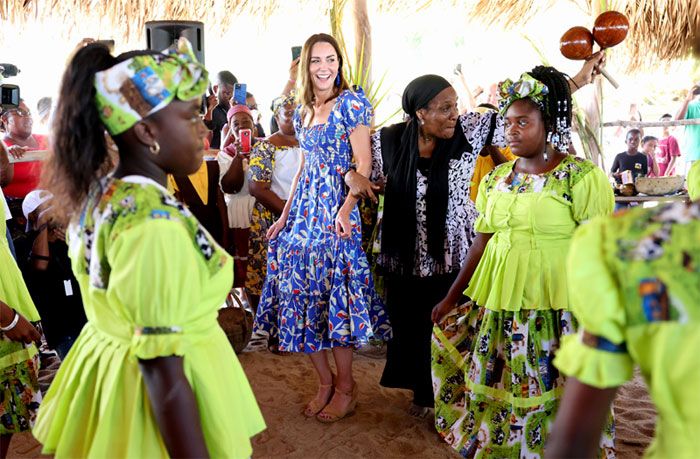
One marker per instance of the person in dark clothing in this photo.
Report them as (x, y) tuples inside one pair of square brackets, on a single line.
[(632, 159), (252, 104), (207, 204), (218, 105), (49, 277)]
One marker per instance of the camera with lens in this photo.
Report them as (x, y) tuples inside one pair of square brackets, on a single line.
[(9, 93)]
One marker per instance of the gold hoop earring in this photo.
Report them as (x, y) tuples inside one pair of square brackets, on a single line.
[(155, 148)]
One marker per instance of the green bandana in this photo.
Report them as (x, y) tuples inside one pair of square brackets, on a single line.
[(142, 85), (525, 87)]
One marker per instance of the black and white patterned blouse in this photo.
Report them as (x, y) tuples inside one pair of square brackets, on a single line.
[(461, 212)]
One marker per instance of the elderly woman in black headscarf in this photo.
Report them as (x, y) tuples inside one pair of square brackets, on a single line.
[(427, 163)]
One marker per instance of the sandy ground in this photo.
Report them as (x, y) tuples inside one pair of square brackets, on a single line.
[(380, 428)]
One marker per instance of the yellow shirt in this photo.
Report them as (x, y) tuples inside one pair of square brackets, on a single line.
[(484, 165), (200, 182)]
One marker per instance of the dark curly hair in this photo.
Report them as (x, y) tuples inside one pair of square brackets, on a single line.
[(557, 106)]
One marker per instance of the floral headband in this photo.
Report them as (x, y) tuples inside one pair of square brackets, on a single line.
[(525, 88), (528, 87), (143, 85), (282, 101)]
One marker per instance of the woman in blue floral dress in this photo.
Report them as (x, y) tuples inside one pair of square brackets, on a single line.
[(319, 292)]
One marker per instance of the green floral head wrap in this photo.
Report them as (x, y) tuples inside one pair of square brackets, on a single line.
[(143, 85), (282, 101), (526, 87)]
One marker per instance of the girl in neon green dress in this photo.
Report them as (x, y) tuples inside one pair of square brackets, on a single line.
[(19, 360), (496, 390), (635, 288), (152, 373)]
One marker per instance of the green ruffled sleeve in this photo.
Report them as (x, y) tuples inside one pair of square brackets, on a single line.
[(592, 196), (597, 355), (157, 282), (481, 225)]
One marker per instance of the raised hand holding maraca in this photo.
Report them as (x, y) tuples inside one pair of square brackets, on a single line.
[(593, 67)]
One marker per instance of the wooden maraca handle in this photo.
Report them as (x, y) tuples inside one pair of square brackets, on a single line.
[(608, 77)]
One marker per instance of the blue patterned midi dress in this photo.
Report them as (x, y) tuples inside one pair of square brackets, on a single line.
[(319, 292)]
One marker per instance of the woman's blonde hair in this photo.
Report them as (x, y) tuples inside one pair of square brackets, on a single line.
[(306, 89)]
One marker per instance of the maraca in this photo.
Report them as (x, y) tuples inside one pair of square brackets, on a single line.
[(576, 43), (610, 29)]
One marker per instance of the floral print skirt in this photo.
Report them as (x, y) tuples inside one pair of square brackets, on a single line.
[(260, 222), (496, 389), (319, 294), (19, 389)]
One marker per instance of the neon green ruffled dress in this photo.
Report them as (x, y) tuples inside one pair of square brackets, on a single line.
[(152, 280), (19, 362), (635, 287), (497, 391)]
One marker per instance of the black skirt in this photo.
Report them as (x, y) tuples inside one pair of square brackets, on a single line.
[(409, 303)]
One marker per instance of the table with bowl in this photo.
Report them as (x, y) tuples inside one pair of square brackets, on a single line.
[(654, 189)]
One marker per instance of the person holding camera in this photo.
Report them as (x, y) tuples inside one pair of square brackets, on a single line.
[(240, 135), (688, 111), (139, 380), (19, 356), (17, 124), (218, 104)]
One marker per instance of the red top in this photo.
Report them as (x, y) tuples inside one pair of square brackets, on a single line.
[(668, 148), (27, 174)]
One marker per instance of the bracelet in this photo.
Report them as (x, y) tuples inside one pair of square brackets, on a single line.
[(574, 82), (13, 324), (33, 256)]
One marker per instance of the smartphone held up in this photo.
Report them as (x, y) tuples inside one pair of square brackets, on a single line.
[(9, 96), (245, 139), (240, 92)]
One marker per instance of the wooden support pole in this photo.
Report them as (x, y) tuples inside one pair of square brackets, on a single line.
[(643, 124), (363, 36)]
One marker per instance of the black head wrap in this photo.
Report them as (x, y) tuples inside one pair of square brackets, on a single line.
[(400, 152)]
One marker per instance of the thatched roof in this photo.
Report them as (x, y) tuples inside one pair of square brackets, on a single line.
[(660, 30)]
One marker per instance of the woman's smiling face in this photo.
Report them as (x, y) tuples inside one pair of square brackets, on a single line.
[(323, 66)]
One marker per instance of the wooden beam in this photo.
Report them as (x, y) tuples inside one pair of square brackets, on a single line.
[(643, 124)]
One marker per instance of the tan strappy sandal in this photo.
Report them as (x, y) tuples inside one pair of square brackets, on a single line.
[(327, 415), (313, 407)]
